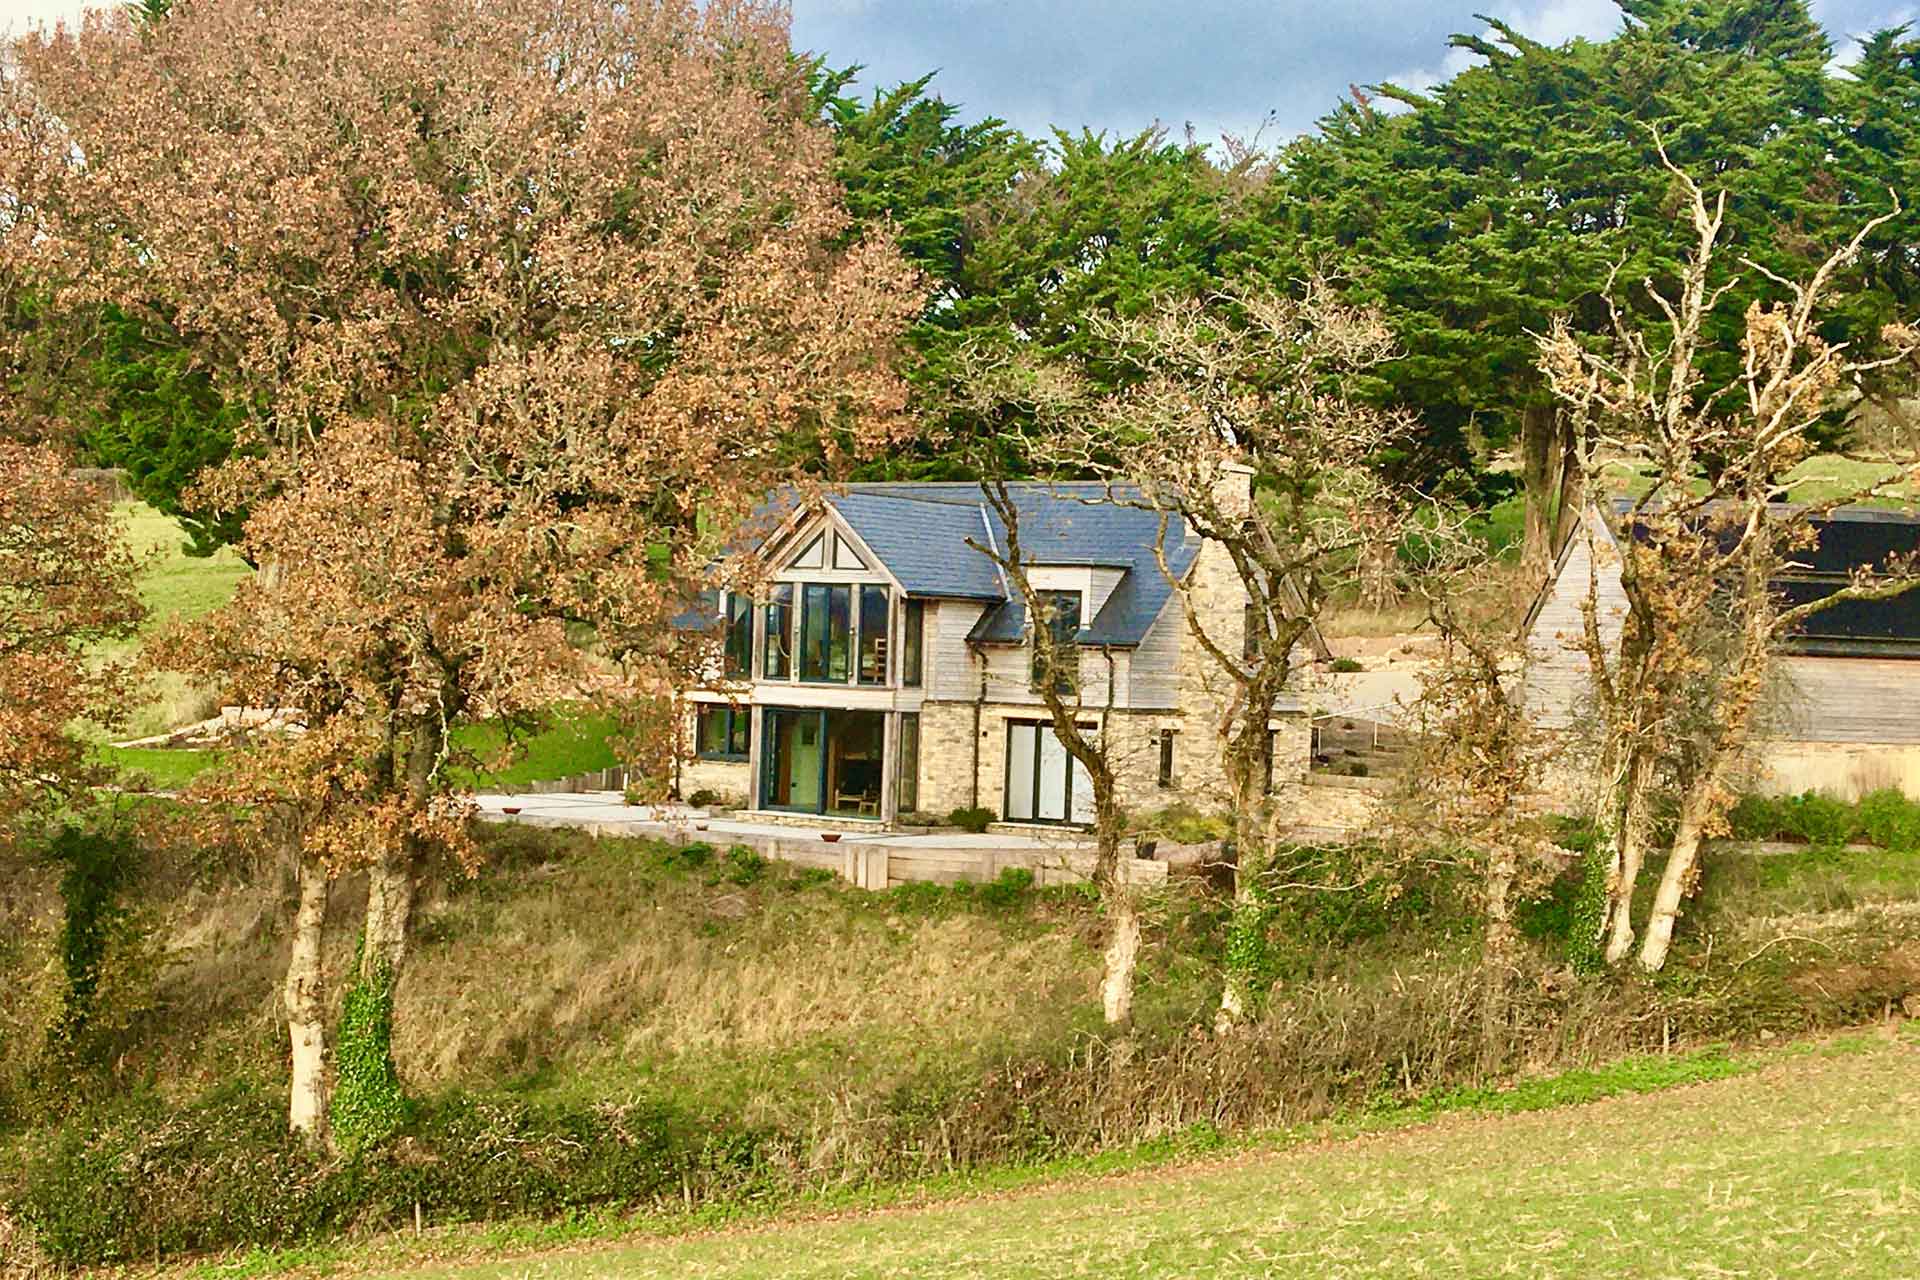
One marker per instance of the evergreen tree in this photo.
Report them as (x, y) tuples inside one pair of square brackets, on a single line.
[(1507, 196)]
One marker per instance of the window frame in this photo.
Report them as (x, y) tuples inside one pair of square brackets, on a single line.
[(913, 644), (737, 723)]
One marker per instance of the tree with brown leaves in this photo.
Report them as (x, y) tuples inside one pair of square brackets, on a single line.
[(525, 304), (1681, 687), (66, 585)]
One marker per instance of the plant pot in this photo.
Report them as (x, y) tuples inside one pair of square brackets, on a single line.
[(699, 826), (830, 836), (509, 809)]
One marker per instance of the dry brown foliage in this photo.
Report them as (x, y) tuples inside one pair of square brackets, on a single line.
[(526, 304), (66, 583), (1680, 693)]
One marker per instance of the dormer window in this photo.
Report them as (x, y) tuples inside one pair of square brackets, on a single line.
[(1060, 650)]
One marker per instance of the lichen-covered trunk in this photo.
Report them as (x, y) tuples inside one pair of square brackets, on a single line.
[(305, 997), (1540, 465), (1676, 882), (1630, 843), (1122, 957), (1497, 947), (1246, 931), (393, 880), (1117, 898)]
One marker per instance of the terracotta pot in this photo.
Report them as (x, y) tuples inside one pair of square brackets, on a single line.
[(509, 809), (830, 836)]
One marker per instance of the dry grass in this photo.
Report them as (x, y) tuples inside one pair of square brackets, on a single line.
[(716, 987), (1806, 1168)]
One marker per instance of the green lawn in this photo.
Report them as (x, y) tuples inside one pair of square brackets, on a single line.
[(570, 743), (1810, 1167), (1820, 478), (172, 583)]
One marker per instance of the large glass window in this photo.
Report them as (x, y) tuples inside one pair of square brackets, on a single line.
[(826, 632), (874, 619), (779, 642), (1060, 615), (908, 780), (723, 732), (914, 629), (739, 637)]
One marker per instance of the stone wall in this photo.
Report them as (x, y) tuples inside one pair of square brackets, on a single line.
[(730, 778), (946, 758)]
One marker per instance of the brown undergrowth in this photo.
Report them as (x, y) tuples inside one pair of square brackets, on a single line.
[(793, 1035)]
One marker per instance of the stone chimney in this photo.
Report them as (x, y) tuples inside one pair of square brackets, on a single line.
[(1233, 489)]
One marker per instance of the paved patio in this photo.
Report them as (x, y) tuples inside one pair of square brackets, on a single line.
[(863, 855)]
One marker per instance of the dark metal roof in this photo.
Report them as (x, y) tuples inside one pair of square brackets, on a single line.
[(1846, 539)]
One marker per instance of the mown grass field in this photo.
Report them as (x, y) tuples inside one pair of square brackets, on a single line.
[(1808, 1166)]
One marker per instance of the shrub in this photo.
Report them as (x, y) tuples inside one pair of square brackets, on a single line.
[(138, 1179), (704, 799), (1184, 824), (1007, 890), (1756, 818), (1345, 665), (691, 856), (1887, 818), (974, 820), (1817, 819), (745, 865)]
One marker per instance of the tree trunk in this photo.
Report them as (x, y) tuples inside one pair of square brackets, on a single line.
[(1573, 493), (1677, 880), (1541, 458), (305, 998), (1123, 955), (1246, 932), (390, 888), (1497, 951), (1631, 840)]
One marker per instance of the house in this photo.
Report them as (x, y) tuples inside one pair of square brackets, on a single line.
[(886, 669), (1844, 714)]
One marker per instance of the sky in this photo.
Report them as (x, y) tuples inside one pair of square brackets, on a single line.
[(1265, 68)]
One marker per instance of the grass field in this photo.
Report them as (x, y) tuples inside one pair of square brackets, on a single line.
[(175, 587), (1818, 479), (1809, 1165)]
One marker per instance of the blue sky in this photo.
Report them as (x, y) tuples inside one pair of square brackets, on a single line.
[(1221, 65), (1123, 65)]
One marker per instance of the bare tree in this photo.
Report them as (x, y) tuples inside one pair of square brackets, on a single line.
[(1059, 680), (1473, 788), (1237, 427), (1681, 687)]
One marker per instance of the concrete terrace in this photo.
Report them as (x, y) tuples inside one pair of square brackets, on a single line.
[(865, 857)]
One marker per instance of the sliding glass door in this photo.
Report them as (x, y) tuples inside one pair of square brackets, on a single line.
[(823, 762), (1044, 782)]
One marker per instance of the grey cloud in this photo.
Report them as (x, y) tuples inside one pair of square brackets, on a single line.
[(1221, 65)]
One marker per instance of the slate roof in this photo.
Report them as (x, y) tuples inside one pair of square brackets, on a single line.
[(921, 532)]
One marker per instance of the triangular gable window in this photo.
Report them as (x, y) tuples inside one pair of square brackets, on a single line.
[(844, 556), (814, 557)]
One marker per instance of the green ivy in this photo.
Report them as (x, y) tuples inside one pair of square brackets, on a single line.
[(1249, 960), (1586, 950), (95, 866), (369, 1105)]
